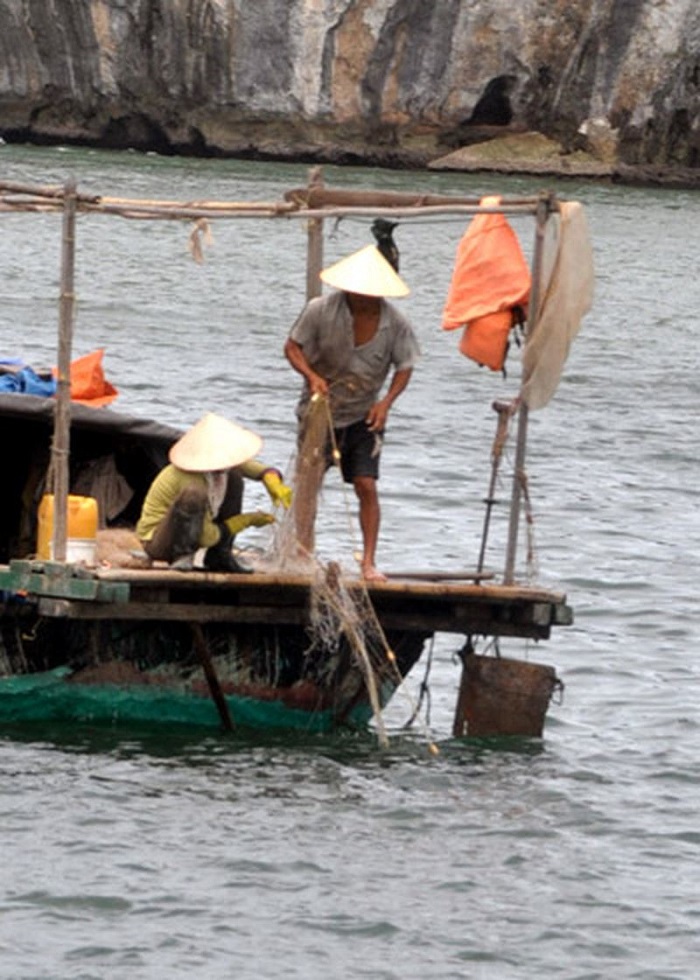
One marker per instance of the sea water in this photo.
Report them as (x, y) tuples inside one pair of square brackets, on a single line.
[(182, 852)]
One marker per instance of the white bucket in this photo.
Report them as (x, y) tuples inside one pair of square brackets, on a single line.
[(79, 551)]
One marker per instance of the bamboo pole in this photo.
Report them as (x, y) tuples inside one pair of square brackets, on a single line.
[(314, 250), (545, 206), (504, 411), (318, 196), (314, 197), (306, 208), (56, 191), (310, 461), (60, 448), (202, 204)]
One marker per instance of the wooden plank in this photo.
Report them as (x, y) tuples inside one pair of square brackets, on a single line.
[(26, 581), (541, 613), (429, 576), (505, 594), (173, 612), (249, 583), (475, 627), (480, 620), (205, 580), (526, 619), (55, 578), (563, 615)]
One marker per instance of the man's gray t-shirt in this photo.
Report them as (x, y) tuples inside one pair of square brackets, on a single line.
[(355, 375)]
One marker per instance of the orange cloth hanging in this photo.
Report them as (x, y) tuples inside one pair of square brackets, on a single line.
[(88, 384), (490, 279), (485, 339)]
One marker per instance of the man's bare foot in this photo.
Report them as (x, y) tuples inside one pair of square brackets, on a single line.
[(372, 574)]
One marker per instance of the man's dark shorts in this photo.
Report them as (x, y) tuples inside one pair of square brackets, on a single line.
[(360, 449)]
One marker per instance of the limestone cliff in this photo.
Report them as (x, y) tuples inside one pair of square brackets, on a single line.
[(393, 81)]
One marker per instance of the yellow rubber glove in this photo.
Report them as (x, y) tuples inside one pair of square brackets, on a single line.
[(279, 492), (256, 518)]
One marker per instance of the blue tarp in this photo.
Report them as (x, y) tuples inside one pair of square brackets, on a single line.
[(25, 380)]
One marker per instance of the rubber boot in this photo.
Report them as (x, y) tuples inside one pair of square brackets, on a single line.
[(220, 557)]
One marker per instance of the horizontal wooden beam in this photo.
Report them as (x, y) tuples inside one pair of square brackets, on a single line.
[(478, 620), (174, 612)]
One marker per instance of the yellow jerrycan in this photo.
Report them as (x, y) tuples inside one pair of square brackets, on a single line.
[(81, 532)]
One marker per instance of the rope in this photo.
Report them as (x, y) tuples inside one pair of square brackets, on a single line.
[(506, 411), (424, 690)]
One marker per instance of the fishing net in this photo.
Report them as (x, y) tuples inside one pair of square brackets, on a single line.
[(342, 620), (294, 542)]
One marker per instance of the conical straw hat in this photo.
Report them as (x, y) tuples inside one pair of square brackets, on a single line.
[(366, 272), (214, 443)]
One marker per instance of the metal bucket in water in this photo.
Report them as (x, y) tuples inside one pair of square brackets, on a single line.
[(503, 697)]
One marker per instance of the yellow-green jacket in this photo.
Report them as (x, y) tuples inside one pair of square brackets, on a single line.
[(169, 484)]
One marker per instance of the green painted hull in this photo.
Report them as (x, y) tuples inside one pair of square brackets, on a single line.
[(121, 672), (51, 697)]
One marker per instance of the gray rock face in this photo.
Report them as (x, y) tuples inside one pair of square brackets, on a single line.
[(394, 81)]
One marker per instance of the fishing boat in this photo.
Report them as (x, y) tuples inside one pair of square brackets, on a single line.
[(123, 639)]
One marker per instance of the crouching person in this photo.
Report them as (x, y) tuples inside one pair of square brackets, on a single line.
[(193, 508)]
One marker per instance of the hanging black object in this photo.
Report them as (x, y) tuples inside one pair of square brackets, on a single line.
[(383, 232)]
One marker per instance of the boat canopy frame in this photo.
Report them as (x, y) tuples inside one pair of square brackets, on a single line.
[(314, 204)]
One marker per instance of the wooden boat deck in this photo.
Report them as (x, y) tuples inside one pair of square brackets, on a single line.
[(477, 606)]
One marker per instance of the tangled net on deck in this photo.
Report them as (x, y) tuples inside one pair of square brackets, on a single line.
[(342, 620)]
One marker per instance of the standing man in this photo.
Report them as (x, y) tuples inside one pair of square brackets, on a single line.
[(345, 344)]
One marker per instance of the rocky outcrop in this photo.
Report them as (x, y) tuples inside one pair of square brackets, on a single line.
[(398, 82)]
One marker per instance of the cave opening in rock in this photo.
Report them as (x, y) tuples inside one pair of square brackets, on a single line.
[(493, 108), (137, 132)]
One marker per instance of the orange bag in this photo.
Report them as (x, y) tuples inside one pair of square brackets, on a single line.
[(485, 340), (88, 384), (490, 279)]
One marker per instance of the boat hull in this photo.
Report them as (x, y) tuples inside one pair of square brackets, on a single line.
[(121, 672)]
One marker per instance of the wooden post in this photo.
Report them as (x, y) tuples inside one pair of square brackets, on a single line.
[(212, 678), (310, 463), (60, 447), (545, 205), (504, 410), (314, 254)]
